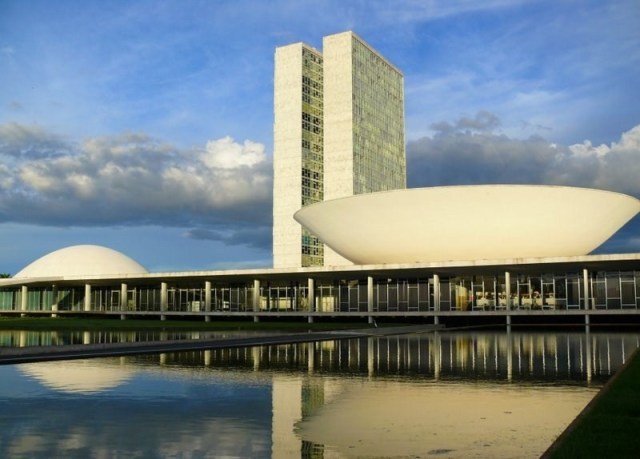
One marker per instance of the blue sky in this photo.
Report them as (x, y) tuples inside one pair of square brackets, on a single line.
[(146, 126)]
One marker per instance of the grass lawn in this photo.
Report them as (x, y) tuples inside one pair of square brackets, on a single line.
[(610, 427), (72, 323)]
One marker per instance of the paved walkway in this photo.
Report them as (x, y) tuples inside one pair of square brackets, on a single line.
[(11, 355)]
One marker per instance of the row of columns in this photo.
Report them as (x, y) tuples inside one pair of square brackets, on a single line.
[(164, 297)]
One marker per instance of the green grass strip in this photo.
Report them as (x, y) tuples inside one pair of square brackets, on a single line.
[(609, 427)]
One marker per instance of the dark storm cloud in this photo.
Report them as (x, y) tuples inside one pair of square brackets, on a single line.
[(29, 142), (257, 237), (454, 158), (469, 152), (482, 121), (132, 179)]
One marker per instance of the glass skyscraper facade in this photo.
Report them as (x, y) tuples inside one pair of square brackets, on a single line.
[(312, 250), (378, 127), (338, 131), (298, 158)]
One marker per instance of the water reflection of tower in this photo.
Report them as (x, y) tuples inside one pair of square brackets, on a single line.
[(313, 398), (293, 399)]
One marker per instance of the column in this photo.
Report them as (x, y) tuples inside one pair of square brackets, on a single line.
[(164, 297), (370, 298), (256, 299), (24, 298), (256, 295), (585, 288), (54, 304), (507, 289), (124, 295), (207, 301), (207, 296), (87, 297), (507, 294), (311, 298), (293, 296), (436, 292)]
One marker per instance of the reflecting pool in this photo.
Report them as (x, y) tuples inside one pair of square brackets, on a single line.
[(444, 394), (22, 338)]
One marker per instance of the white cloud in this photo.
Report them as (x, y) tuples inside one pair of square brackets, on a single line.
[(132, 179), (630, 141), (620, 165), (226, 154), (36, 180), (587, 149)]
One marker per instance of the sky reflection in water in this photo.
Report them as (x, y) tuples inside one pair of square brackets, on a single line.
[(446, 394)]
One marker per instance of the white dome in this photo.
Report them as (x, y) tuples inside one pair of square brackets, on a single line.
[(81, 260), (466, 223)]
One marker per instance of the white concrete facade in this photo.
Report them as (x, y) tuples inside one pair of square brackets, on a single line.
[(360, 118), (287, 160), (338, 124), (472, 222), (338, 118), (364, 119), (364, 148)]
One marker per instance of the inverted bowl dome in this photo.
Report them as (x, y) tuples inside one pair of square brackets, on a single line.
[(468, 222)]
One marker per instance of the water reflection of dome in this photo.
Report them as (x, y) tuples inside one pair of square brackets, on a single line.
[(468, 222), (81, 260), (78, 376)]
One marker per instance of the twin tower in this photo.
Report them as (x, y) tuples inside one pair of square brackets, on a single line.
[(338, 131)]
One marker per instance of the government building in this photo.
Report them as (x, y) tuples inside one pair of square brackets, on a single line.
[(350, 241), (338, 131)]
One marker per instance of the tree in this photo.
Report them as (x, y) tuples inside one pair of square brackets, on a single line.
[(5, 275)]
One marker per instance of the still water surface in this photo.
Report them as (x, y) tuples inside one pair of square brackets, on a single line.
[(493, 394), (22, 338)]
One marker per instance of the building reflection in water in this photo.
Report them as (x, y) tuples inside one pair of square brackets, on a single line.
[(538, 356), (559, 358), (23, 338), (321, 406), (336, 398)]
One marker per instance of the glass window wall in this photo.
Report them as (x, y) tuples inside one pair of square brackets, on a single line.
[(611, 290)]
